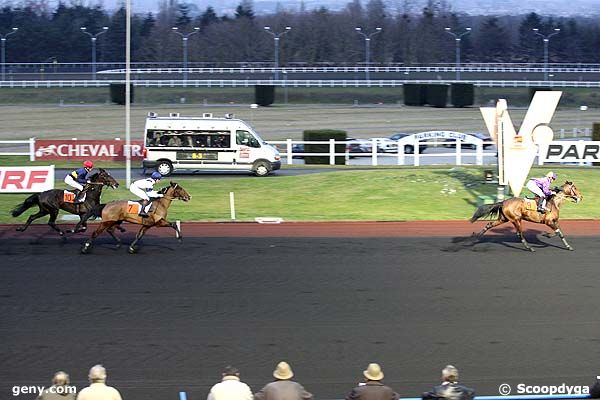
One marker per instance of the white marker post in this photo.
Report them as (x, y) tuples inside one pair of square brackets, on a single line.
[(232, 205), (178, 224)]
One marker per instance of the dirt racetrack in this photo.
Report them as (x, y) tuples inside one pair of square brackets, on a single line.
[(413, 297)]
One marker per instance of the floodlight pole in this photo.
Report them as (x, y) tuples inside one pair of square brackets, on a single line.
[(546, 39), (276, 37), (367, 48), (3, 40), (457, 40), (94, 38), (127, 93), (184, 38)]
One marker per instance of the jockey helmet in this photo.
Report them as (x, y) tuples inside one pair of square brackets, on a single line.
[(551, 175), (88, 164), (156, 175)]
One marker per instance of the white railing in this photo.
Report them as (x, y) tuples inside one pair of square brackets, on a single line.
[(373, 149), (11, 148)]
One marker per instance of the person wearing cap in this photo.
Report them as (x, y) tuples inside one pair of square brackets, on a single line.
[(449, 388), (60, 389), (230, 387), (144, 189), (373, 388), (283, 388), (77, 178), (98, 390), (541, 188)]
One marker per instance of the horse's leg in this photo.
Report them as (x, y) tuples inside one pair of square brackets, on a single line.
[(489, 226), (111, 231), (519, 228), (164, 223), (52, 222), (103, 226), (140, 234), (558, 231), (32, 218)]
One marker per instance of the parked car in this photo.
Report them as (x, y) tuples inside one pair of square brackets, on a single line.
[(408, 148), (358, 145), (297, 148), (386, 145), (487, 142)]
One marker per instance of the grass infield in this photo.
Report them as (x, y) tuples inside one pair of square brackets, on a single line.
[(426, 193)]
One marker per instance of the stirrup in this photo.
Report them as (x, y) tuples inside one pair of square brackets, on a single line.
[(143, 214)]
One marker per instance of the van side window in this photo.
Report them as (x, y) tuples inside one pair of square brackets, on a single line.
[(245, 138)]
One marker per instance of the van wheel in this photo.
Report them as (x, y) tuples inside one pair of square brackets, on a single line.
[(262, 168), (164, 167)]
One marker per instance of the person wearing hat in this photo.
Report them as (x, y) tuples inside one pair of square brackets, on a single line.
[(283, 388), (77, 178), (541, 188), (60, 389), (449, 389), (230, 387), (373, 388), (144, 189)]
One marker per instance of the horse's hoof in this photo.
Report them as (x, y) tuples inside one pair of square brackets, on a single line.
[(117, 246), (132, 250), (86, 248), (83, 229), (570, 248), (20, 229), (531, 249)]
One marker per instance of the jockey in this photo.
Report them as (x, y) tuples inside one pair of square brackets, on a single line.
[(144, 189), (78, 178), (541, 187)]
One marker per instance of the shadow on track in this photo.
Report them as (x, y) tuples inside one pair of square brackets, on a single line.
[(470, 243)]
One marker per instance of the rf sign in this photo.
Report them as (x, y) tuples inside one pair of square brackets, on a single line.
[(517, 151)]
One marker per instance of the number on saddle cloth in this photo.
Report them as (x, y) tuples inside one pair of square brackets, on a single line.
[(531, 204), (135, 206), (69, 197)]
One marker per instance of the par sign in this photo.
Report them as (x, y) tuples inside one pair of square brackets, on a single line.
[(570, 151)]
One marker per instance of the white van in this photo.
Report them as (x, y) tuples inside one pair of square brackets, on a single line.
[(206, 143)]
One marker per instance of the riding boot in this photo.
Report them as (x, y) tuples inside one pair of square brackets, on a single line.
[(79, 195), (143, 212), (541, 205)]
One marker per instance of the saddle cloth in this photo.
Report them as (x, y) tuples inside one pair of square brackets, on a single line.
[(69, 197), (134, 207), (530, 204)]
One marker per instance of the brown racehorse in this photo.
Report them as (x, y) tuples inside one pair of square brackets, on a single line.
[(115, 212), (515, 210)]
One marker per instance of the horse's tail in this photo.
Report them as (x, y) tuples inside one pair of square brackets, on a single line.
[(29, 202), (487, 210)]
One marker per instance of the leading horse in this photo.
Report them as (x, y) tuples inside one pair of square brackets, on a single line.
[(515, 210), (52, 201), (115, 212)]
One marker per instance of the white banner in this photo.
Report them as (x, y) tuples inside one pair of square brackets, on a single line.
[(26, 179), (571, 151)]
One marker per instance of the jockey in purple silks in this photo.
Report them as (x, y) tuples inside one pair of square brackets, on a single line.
[(541, 187)]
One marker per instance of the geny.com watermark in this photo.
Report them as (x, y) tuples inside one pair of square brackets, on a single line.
[(37, 390), (522, 388)]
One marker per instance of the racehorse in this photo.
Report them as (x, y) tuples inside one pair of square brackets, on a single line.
[(115, 212), (52, 201), (516, 209)]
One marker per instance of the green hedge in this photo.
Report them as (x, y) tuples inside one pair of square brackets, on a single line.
[(462, 94), (323, 135), (264, 95), (437, 95), (117, 93), (414, 94)]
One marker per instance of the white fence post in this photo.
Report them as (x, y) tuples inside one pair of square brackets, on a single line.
[(400, 153), (289, 150), (331, 151), (479, 156), (562, 133), (31, 149), (416, 151), (458, 149), (232, 205), (373, 152)]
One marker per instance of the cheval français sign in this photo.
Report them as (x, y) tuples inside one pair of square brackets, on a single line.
[(103, 150), (26, 179)]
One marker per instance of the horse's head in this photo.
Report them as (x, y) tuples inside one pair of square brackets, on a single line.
[(570, 191), (177, 192), (105, 178)]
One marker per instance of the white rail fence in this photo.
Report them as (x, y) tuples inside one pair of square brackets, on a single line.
[(18, 148)]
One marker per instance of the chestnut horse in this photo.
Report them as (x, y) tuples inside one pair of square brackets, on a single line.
[(516, 209), (115, 212)]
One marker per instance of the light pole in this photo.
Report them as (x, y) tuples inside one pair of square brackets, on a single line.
[(367, 48), (546, 39), (94, 37), (3, 39), (184, 38), (457, 40), (276, 37)]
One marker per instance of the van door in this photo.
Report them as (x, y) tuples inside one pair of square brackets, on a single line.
[(248, 148)]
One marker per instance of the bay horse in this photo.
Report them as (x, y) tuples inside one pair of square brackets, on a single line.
[(115, 212), (52, 201), (516, 209)]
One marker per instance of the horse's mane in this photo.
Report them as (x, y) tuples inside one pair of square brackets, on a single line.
[(94, 176), (164, 190)]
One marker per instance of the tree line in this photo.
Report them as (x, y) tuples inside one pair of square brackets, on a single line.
[(317, 35)]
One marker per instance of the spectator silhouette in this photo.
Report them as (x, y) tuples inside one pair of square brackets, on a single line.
[(283, 388), (372, 388), (98, 389), (449, 388), (230, 387), (60, 389)]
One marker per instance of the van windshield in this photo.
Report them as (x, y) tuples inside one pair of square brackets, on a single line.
[(245, 138), (187, 138)]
